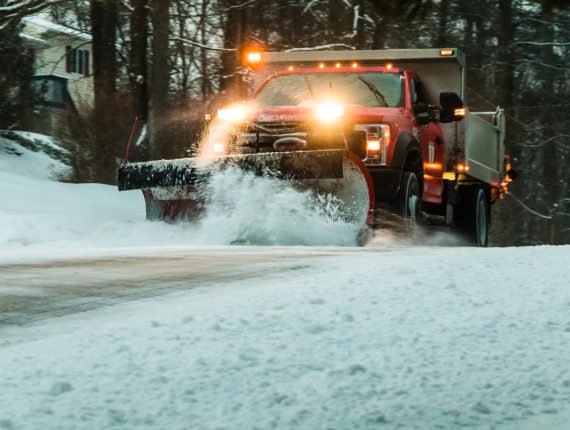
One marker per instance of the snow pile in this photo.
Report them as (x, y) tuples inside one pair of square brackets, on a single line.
[(35, 209), (32, 155), (245, 209), (364, 340)]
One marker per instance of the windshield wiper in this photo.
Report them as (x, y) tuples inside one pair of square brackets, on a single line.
[(309, 86), (374, 91)]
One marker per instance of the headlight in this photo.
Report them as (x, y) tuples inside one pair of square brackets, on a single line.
[(329, 112), (232, 114)]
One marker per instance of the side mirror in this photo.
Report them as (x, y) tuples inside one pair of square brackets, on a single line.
[(426, 113), (452, 108)]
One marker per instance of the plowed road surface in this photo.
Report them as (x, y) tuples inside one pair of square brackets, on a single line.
[(31, 291)]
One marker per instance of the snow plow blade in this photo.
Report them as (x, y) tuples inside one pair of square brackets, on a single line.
[(177, 189), (295, 165)]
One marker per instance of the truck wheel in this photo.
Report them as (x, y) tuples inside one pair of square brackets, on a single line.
[(473, 216), (410, 197)]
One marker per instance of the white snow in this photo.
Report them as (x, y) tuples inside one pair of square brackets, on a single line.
[(365, 338), (415, 339), (41, 20)]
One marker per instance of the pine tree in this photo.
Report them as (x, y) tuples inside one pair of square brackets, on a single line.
[(16, 72)]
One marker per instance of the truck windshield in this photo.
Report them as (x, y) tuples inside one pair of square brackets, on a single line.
[(366, 89)]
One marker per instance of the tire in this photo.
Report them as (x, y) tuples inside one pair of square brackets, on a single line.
[(410, 197), (473, 216)]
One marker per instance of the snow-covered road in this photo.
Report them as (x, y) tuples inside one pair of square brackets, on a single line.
[(341, 338), (109, 321), (33, 290)]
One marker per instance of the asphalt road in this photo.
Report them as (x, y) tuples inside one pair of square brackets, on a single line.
[(35, 291)]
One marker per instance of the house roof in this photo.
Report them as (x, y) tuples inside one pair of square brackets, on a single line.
[(34, 41), (46, 26)]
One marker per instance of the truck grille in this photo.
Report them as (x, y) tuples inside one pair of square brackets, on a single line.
[(261, 136), (277, 127)]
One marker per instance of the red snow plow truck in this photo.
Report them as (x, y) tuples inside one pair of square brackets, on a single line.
[(375, 129)]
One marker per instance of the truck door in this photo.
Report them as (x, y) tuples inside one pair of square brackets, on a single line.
[(431, 143)]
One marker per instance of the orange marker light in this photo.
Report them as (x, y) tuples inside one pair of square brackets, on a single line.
[(446, 52), (290, 68), (354, 65), (459, 112), (253, 57), (433, 166), (321, 66), (462, 167), (337, 65), (389, 66), (387, 135)]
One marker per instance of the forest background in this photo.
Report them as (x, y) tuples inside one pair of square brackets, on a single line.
[(165, 60)]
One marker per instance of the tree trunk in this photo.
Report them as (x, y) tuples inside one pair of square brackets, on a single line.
[(232, 39), (442, 24), (379, 38), (104, 19), (138, 58), (160, 76), (550, 153), (360, 36), (203, 54), (506, 36)]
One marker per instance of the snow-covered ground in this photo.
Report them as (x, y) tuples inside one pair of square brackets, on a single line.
[(385, 336)]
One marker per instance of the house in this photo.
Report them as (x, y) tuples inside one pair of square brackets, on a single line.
[(62, 77)]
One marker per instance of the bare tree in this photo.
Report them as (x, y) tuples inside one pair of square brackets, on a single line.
[(159, 75), (12, 11)]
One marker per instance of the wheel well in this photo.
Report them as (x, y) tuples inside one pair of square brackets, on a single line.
[(414, 164)]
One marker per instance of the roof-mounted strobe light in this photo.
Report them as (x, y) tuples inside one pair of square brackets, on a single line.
[(253, 57), (446, 52)]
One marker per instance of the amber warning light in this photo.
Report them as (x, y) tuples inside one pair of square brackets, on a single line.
[(253, 57)]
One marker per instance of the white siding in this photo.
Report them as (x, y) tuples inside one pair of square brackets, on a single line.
[(51, 60)]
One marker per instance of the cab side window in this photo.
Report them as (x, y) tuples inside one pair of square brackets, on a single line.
[(418, 92)]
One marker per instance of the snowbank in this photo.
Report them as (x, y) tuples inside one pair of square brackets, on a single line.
[(35, 209)]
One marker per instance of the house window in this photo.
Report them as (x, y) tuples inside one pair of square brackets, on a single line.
[(51, 91), (77, 61)]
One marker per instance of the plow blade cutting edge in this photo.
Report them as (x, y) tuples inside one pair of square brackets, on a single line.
[(176, 189)]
